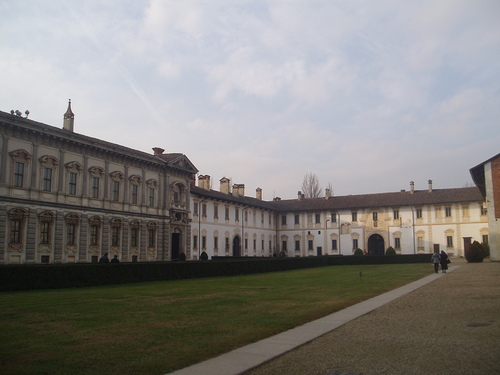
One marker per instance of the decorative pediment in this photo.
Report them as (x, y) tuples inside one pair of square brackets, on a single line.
[(116, 176), (20, 155), (48, 161), (96, 172), (182, 162), (135, 179), (152, 183), (74, 166)]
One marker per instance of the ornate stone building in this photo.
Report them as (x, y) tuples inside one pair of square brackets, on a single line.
[(66, 197)]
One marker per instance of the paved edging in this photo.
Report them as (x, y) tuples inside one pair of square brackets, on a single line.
[(249, 356)]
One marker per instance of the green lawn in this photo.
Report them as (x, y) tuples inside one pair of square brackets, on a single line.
[(155, 328)]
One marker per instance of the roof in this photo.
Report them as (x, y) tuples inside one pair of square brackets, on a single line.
[(173, 160), (334, 203), (477, 174)]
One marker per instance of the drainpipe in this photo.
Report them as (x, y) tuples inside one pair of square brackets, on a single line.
[(340, 239), (199, 227), (413, 228)]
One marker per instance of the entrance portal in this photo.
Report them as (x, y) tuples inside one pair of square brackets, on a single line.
[(376, 245), (176, 245), (236, 247)]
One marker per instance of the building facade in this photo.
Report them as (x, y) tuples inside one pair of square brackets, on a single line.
[(487, 178), (66, 197), (411, 222)]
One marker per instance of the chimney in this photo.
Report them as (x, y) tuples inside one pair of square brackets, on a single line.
[(207, 182), (300, 196), (158, 151), (69, 119), (238, 190), (258, 193), (430, 186), (224, 185), (328, 193), (276, 199), (193, 180), (201, 181), (412, 187)]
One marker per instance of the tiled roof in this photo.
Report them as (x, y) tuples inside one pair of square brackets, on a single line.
[(397, 199)]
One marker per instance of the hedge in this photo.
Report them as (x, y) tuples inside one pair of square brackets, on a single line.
[(53, 276)]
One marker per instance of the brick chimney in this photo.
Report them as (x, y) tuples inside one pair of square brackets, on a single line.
[(258, 193), (204, 182), (225, 185), (238, 190), (158, 151)]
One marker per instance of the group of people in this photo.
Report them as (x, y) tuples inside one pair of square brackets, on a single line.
[(105, 259), (440, 258)]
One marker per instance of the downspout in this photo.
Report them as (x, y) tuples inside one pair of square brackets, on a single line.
[(413, 228)]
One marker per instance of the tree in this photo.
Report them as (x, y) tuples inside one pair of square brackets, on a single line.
[(310, 186)]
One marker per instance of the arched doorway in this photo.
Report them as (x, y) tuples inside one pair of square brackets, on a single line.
[(376, 245), (236, 246), (176, 245)]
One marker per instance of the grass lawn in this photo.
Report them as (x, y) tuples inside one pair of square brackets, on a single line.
[(155, 328)]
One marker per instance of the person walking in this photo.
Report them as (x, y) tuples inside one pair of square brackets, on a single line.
[(104, 258), (435, 260), (443, 257)]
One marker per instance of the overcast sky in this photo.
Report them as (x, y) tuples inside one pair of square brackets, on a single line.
[(367, 95)]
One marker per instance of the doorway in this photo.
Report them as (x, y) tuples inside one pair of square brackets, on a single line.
[(176, 245), (236, 246), (376, 245)]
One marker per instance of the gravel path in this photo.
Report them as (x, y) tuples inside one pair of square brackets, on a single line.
[(449, 326)]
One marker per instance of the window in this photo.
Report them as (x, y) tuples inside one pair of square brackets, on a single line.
[(15, 231), (226, 213), (195, 208), (152, 236), (395, 214), (283, 219), (236, 214), (333, 217), (70, 233), (375, 216), (309, 244), (397, 243), (283, 246), (246, 216), (216, 242), (246, 243), (195, 242), (115, 236), (134, 235), (354, 216), (135, 189), (227, 243), (203, 242), (297, 245), (419, 213), (47, 179), (151, 196), (317, 218), (254, 244), (216, 211), (449, 241), (447, 211), (484, 210), (95, 187), (45, 232), (72, 183), (204, 210), (355, 244), (297, 219), (18, 174), (116, 191), (334, 244), (94, 234)]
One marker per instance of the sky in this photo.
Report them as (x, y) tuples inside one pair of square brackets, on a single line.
[(366, 95)]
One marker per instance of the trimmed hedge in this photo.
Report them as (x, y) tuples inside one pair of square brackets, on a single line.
[(53, 276)]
